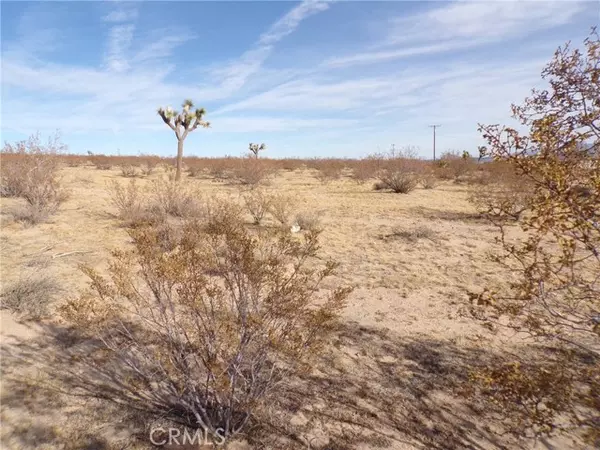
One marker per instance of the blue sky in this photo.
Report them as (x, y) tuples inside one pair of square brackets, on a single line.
[(313, 78)]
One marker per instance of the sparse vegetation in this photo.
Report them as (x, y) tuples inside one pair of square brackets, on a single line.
[(414, 234), (30, 170), (280, 207), (258, 203), (226, 317), (178, 199), (219, 306), (251, 171), (128, 171), (30, 296), (555, 297), (308, 220)]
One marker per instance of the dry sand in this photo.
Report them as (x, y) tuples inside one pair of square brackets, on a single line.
[(386, 380)]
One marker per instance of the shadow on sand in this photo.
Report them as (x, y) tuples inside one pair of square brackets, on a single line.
[(372, 389)]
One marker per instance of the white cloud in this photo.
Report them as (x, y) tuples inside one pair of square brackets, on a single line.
[(388, 55), (119, 41), (460, 25), (486, 20), (288, 23), (121, 15), (235, 74), (133, 84), (332, 99), (268, 124)]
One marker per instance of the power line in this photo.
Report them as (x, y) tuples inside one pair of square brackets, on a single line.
[(434, 127)]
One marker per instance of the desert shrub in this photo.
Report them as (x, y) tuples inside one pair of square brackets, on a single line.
[(222, 210), (30, 170), (148, 168), (149, 164), (505, 199), (175, 198), (219, 168), (414, 234), (222, 321), (32, 214), (251, 171), (280, 207), (400, 171), (555, 294), (291, 164), (258, 203), (397, 180), (456, 165), (27, 162), (328, 169), (132, 205), (308, 220), (30, 296), (101, 162), (194, 168), (367, 168), (128, 171), (428, 181)]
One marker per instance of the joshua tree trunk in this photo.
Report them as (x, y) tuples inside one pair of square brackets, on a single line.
[(179, 159)]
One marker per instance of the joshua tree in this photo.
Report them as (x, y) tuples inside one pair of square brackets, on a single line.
[(255, 148), (182, 124)]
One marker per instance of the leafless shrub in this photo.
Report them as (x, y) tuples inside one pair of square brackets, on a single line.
[(101, 162), (219, 168), (30, 296), (251, 171), (132, 205), (503, 200), (413, 234), (281, 207), (400, 171), (397, 181), (194, 168), (366, 169), (258, 203), (30, 170), (428, 181), (222, 320), (328, 170), (457, 165), (128, 171), (308, 220), (222, 210), (32, 214), (149, 164), (176, 198)]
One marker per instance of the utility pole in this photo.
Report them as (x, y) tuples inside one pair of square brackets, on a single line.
[(434, 127)]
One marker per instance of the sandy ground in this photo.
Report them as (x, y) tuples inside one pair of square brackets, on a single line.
[(386, 381)]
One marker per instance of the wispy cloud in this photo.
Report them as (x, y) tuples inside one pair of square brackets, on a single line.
[(461, 25), (119, 41), (432, 65), (121, 15), (233, 75)]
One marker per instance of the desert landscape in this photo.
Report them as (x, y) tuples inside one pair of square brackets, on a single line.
[(165, 296), (394, 369)]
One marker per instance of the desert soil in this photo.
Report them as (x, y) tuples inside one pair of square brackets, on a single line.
[(389, 377)]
